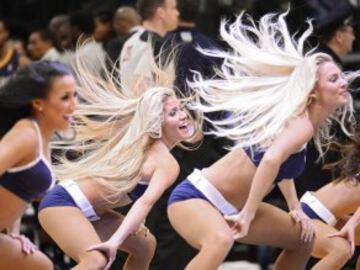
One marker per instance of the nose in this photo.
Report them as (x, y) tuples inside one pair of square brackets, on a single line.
[(183, 115), (344, 83), (74, 103)]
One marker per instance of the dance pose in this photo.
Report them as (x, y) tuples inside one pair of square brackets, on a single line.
[(279, 100), (124, 146), (34, 103), (330, 208)]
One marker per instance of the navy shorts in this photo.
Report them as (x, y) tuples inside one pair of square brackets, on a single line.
[(58, 196), (185, 191)]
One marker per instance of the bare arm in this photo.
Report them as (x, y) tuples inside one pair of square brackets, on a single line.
[(348, 231), (294, 136), (15, 227), (287, 188), (19, 143), (161, 179)]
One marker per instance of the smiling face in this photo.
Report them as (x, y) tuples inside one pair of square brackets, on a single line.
[(176, 126), (56, 109), (331, 89)]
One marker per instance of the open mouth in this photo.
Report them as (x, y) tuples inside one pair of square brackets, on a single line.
[(183, 126), (186, 127), (69, 118)]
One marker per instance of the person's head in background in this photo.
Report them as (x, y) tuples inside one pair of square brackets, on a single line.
[(333, 25), (81, 26), (40, 42), (59, 26), (125, 19), (160, 16), (103, 30)]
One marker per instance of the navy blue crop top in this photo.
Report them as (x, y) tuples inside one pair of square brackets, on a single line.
[(138, 191), (31, 180), (289, 169)]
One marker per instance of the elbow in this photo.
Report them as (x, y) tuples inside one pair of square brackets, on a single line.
[(272, 159), (146, 202)]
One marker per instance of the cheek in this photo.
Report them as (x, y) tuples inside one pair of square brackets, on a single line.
[(57, 107)]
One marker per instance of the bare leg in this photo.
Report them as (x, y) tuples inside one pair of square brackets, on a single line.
[(203, 227), (12, 257), (74, 234), (274, 227), (335, 252), (141, 246)]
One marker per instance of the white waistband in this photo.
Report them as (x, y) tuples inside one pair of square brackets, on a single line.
[(211, 193), (319, 208), (80, 199)]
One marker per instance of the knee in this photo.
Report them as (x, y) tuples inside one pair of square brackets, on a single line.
[(146, 247), (340, 248), (93, 260), (220, 242), (149, 245)]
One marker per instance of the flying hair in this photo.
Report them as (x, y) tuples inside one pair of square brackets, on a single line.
[(266, 79), (114, 129)]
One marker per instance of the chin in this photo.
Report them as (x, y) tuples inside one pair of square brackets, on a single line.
[(63, 126)]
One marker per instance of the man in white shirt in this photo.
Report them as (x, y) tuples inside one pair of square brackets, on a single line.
[(158, 18)]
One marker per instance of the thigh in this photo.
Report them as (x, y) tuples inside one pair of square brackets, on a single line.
[(111, 221), (274, 227), (12, 257), (70, 229), (342, 221), (196, 220), (322, 241)]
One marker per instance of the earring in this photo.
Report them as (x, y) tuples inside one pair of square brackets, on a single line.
[(40, 109)]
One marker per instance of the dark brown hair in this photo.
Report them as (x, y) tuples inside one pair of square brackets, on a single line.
[(349, 164)]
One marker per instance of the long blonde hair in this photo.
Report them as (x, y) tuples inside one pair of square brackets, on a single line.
[(265, 80), (114, 129)]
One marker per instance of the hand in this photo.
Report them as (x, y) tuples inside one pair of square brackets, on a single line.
[(347, 232), (26, 245), (307, 226), (108, 249), (239, 224)]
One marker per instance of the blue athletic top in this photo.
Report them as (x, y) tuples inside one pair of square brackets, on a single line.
[(289, 169), (31, 180), (138, 191)]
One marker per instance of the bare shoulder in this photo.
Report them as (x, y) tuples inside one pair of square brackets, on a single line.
[(161, 158), (22, 136), (303, 123), (297, 133)]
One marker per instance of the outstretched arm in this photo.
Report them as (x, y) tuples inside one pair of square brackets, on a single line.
[(161, 179)]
